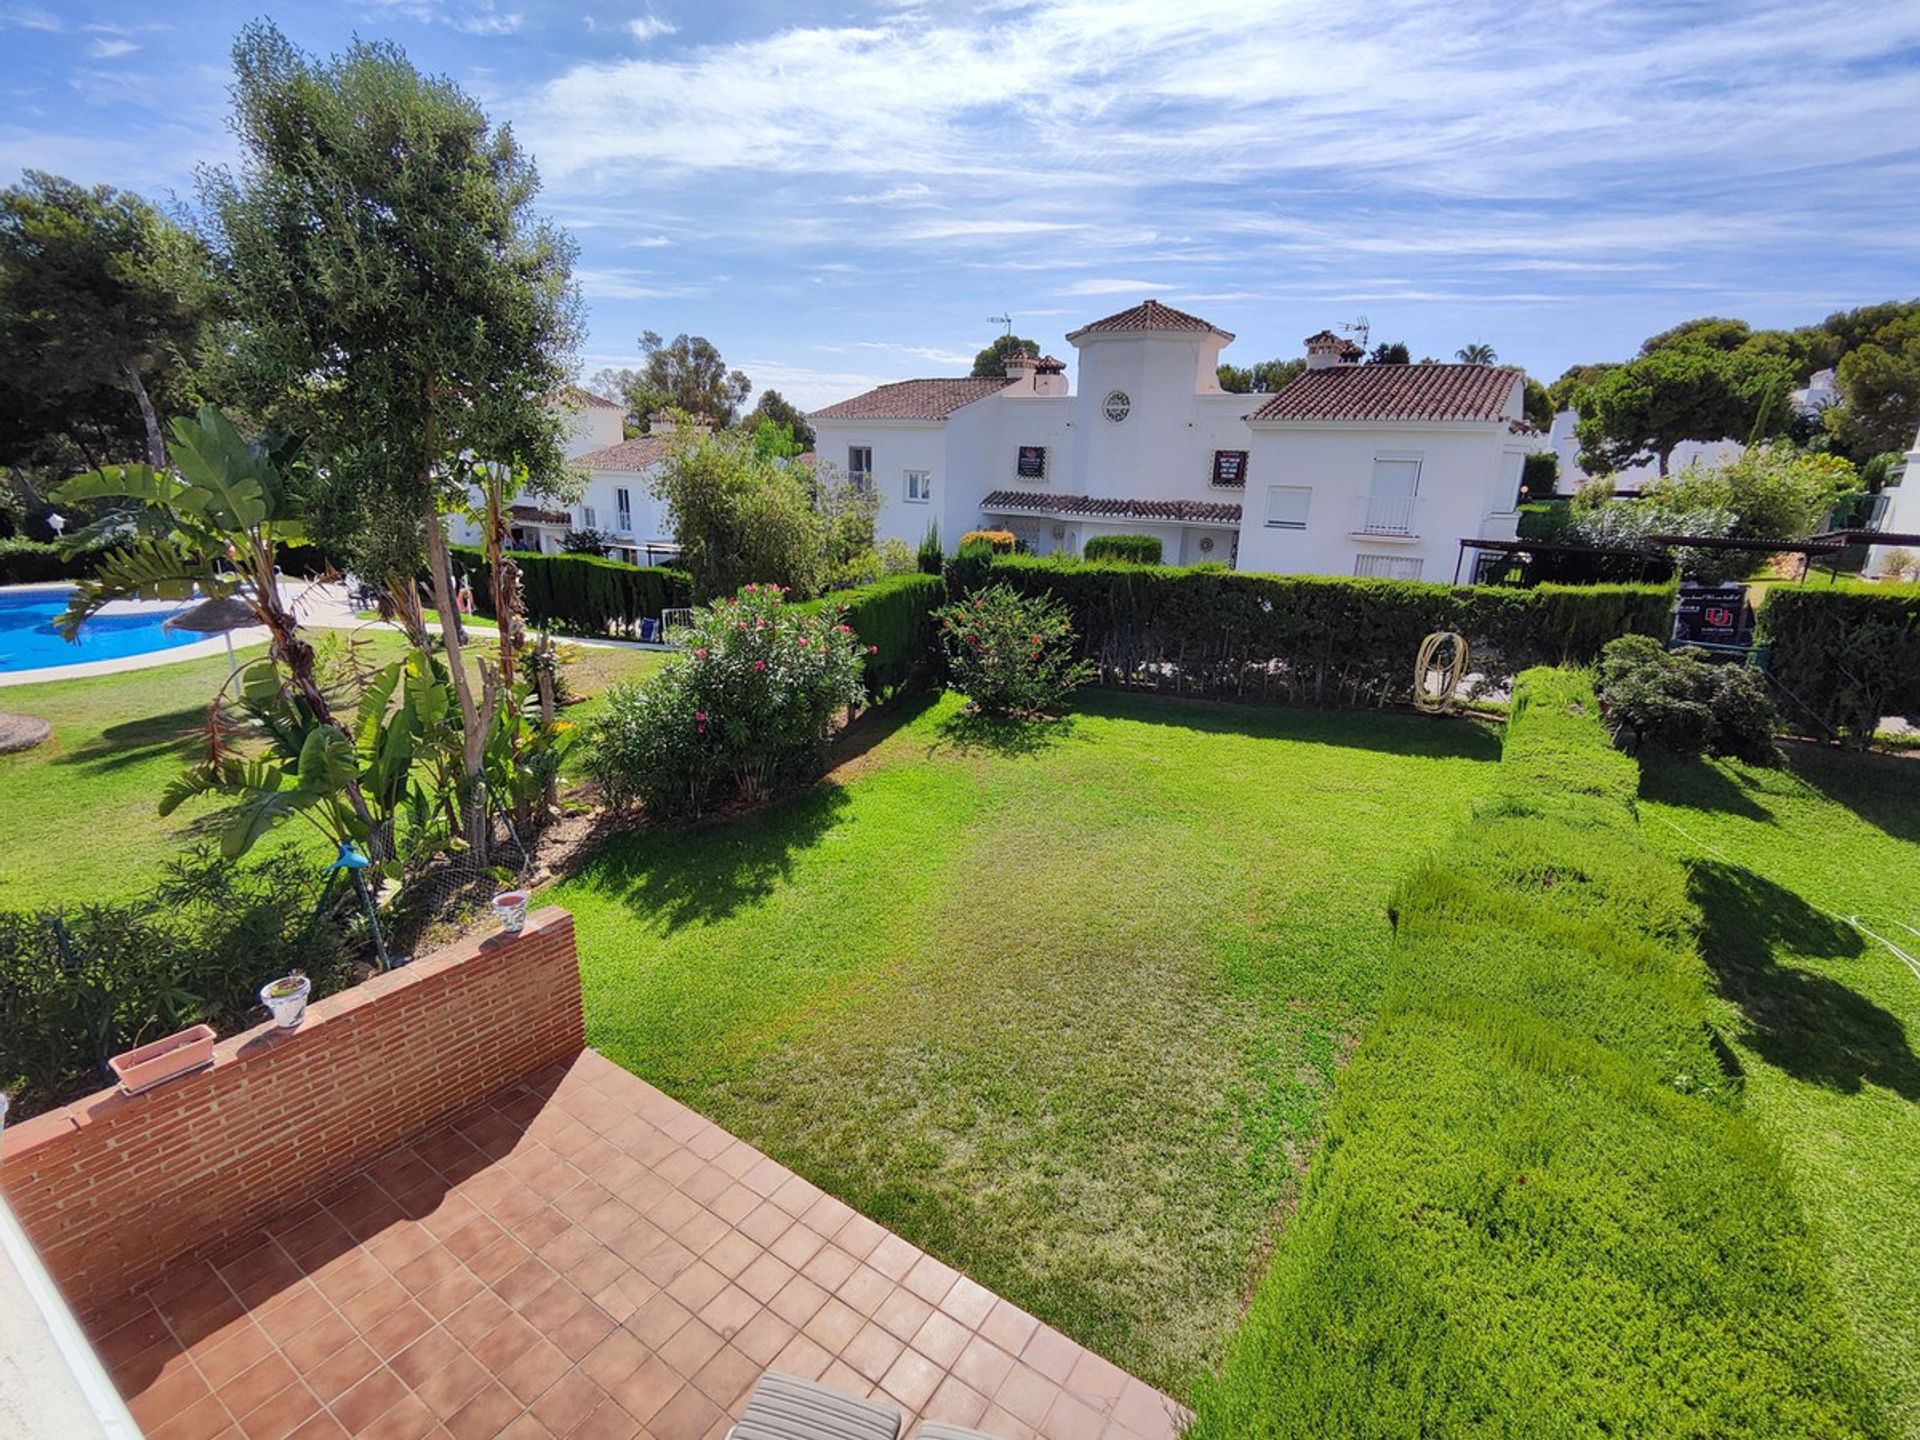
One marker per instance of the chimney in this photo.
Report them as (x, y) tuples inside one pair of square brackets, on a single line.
[(1020, 366), (663, 422), (1326, 350)]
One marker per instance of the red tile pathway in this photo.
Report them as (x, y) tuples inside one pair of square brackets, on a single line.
[(585, 1257)]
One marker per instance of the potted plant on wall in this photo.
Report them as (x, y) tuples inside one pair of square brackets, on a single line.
[(510, 909), (146, 1066), (287, 999)]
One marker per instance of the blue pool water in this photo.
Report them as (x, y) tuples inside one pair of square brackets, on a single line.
[(28, 640)]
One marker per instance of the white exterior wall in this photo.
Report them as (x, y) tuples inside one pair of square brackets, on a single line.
[(1903, 513), (592, 427), (1469, 477), (1155, 453), (898, 446)]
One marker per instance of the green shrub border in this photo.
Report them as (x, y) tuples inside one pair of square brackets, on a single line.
[(1134, 549), (581, 594), (35, 562), (1321, 638), (1840, 656), (1538, 1209), (894, 615)]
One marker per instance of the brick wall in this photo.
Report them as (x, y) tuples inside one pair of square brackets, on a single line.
[(115, 1187)]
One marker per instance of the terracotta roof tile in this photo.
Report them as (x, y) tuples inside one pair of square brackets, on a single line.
[(1197, 511), (538, 515), (912, 400), (636, 454), (1394, 392), (1150, 315)]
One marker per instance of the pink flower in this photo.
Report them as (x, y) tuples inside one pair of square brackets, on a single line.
[(844, 629), (759, 664), (873, 649), (700, 654)]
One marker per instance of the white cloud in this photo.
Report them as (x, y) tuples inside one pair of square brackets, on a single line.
[(651, 27), (109, 49), (1115, 287), (598, 283), (21, 18)]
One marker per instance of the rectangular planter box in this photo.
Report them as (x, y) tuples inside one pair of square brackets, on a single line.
[(161, 1060)]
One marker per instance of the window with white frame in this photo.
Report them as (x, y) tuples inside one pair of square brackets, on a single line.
[(623, 506), (1287, 506), (1387, 567), (920, 486), (860, 465), (587, 520)]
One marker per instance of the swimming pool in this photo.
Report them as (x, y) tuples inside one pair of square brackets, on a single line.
[(28, 640)]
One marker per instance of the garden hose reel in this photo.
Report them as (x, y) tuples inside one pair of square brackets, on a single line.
[(1452, 670)]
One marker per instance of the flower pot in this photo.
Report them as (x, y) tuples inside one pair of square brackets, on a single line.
[(510, 909), (287, 999), (161, 1060)]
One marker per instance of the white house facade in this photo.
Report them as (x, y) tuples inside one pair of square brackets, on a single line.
[(1351, 469)]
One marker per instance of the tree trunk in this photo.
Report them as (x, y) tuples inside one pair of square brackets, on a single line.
[(476, 716), (1663, 463), (150, 422)]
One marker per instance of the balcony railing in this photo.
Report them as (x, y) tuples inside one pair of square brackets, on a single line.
[(1386, 515)]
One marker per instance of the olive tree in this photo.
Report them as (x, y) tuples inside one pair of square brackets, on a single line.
[(397, 301)]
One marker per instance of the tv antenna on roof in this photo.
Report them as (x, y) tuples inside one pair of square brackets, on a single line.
[(1358, 328), (1006, 320)]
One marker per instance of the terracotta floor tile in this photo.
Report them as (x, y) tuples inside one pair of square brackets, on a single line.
[(657, 1321), (522, 1285), (1051, 1353), (866, 1290), (687, 1416), (535, 1370), (614, 1359), (474, 1320), (648, 1388), (256, 1384), (955, 1402), (941, 1339), (304, 1306), (983, 1365), (281, 1414), (221, 1363), (799, 1300), (504, 1343), (367, 1401), (902, 1314), (912, 1379), (408, 1419), (398, 1329), (168, 1396), (727, 1376), (452, 1385), (834, 1325), (492, 1408), (375, 1303), (696, 1285), (1009, 1327), (1073, 1419), (341, 1371), (319, 1340), (692, 1345), (588, 1326), (763, 1336), (609, 1421), (433, 1351), (764, 1278), (872, 1351), (567, 1402), (802, 1357), (1027, 1393)]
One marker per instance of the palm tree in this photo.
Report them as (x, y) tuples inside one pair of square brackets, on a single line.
[(1478, 353)]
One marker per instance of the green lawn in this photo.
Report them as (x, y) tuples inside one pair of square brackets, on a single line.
[(1829, 1018), (78, 823), (1065, 1014)]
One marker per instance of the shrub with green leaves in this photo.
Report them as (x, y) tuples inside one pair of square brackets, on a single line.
[(581, 594), (1539, 1209), (743, 711), (1842, 656), (84, 983), (1009, 653), (1683, 703), (1133, 549)]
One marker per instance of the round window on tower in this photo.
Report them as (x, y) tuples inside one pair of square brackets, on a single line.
[(1116, 405)]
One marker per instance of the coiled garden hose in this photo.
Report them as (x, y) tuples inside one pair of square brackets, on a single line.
[(1451, 674)]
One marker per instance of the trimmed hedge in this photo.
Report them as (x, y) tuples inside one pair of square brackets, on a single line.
[(1841, 656), (32, 562), (1323, 638), (1138, 549), (1539, 1209), (581, 594), (895, 615)]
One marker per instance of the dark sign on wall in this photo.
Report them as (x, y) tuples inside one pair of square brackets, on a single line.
[(1713, 615), (1032, 463), (1229, 467)]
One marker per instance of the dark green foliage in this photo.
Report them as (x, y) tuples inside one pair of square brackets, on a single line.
[(27, 562), (85, 983), (1539, 1209), (586, 542), (894, 616), (581, 594), (1540, 473), (991, 363), (1135, 549), (967, 570), (931, 559), (1011, 653), (1842, 656), (1325, 639), (1683, 703)]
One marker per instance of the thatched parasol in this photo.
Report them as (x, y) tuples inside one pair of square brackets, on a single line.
[(220, 616)]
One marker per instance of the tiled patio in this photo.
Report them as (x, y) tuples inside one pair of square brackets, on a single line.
[(585, 1257)]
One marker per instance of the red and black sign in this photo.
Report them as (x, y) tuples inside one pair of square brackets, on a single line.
[(1229, 467), (1032, 462), (1713, 615)]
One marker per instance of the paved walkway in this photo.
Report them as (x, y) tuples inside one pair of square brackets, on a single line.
[(585, 1257)]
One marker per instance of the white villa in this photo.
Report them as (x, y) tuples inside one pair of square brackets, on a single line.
[(1351, 469), (617, 499)]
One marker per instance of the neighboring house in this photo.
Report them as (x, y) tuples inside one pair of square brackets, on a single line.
[(1686, 455), (1821, 392), (1150, 444), (617, 498), (1901, 518)]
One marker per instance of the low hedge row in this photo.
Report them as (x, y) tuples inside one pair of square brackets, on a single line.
[(32, 562), (1841, 656), (1539, 1209), (1328, 639), (895, 615), (581, 594), (1139, 549)]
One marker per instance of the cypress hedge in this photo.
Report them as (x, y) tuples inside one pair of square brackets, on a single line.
[(581, 594), (1841, 656), (1323, 638), (1139, 549), (1538, 1209), (31, 562), (894, 615)]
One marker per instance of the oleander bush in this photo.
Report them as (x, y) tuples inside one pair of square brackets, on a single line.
[(1539, 1209), (1135, 549), (743, 711), (1683, 703), (1320, 638), (87, 982), (1009, 653), (581, 594), (893, 621), (1842, 656)]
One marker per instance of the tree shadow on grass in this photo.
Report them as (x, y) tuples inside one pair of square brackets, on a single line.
[(971, 733), (1883, 790), (134, 741), (704, 871), (1699, 785), (1809, 1025)]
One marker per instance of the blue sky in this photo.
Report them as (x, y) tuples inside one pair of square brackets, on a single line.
[(842, 194)]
